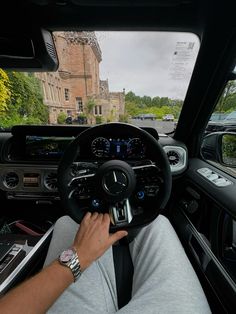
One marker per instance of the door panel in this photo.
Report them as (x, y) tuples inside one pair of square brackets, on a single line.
[(204, 217)]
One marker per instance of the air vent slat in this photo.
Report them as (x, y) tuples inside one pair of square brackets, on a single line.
[(50, 181), (173, 157), (11, 180)]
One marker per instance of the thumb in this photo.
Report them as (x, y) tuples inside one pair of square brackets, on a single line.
[(117, 236)]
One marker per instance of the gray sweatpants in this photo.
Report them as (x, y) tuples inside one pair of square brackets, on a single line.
[(164, 280)]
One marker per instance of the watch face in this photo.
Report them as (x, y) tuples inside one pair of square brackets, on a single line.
[(66, 256)]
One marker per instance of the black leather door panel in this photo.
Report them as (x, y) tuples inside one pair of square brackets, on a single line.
[(224, 196), (204, 216)]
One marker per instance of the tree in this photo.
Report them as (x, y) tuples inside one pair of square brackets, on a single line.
[(130, 96), (124, 118), (4, 91), (25, 106), (156, 101), (98, 120), (26, 96), (228, 98), (90, 104), (176, 102), (147, 100), (61, 118), (159, 106), (131, 108), (164, 101), (111, 117), (229, 148)]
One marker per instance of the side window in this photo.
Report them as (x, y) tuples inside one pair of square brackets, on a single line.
[(219, 144), (224, 116)]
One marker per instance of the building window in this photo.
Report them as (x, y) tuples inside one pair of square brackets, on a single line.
[(98, 110), (44, 90), (60, 97), (57, 97), (79, 104), (67, 94), (51, 91)]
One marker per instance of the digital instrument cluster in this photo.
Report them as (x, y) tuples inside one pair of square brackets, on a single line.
[(118, 148)]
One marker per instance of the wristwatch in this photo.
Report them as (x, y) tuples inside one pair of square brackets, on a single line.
[(69, 258)]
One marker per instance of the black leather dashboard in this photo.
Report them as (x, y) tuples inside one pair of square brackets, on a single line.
[(29, 156)]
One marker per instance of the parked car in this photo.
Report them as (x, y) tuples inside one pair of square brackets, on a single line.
[(145, 116), (231, 117), (168, 117), (218, 116), (69, 120), (80, 120), (227, 124)]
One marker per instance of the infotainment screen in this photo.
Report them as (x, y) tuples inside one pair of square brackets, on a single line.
[(43, 147)]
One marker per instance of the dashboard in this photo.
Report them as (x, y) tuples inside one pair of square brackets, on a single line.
[(30, 156), (51, 148)]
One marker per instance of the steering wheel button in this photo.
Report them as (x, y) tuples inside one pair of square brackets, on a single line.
[(95, 203), (151, 190), (140, 195)]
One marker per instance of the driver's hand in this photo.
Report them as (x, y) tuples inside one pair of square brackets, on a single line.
[(93, 238)]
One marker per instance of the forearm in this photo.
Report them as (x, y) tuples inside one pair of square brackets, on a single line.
[(37, 294)]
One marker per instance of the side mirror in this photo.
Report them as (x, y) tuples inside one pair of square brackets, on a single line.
[(220, 147)]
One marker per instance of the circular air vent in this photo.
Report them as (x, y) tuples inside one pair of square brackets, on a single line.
[(173, 157), (50, 181), (177, 157), (11, 180)]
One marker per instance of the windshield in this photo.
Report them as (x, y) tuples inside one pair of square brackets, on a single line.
[(135, 77)]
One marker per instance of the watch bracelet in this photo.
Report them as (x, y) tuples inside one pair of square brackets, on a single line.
[(75, 266)]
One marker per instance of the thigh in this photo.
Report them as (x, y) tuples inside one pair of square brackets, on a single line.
[(63, 236), (164, 280), (95, 291)]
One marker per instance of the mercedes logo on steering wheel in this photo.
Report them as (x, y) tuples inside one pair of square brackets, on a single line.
[(115, 182)]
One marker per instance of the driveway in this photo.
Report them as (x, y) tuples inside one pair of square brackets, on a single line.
[(160, 126)]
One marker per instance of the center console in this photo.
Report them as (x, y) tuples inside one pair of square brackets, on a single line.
[(22, 248)]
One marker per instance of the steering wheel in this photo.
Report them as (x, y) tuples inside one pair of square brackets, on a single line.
[(133, 192)]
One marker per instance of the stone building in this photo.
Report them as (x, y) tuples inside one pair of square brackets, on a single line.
[(77, 81), (110, 104)]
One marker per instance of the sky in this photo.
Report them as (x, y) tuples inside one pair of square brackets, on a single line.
[(148, 63)]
